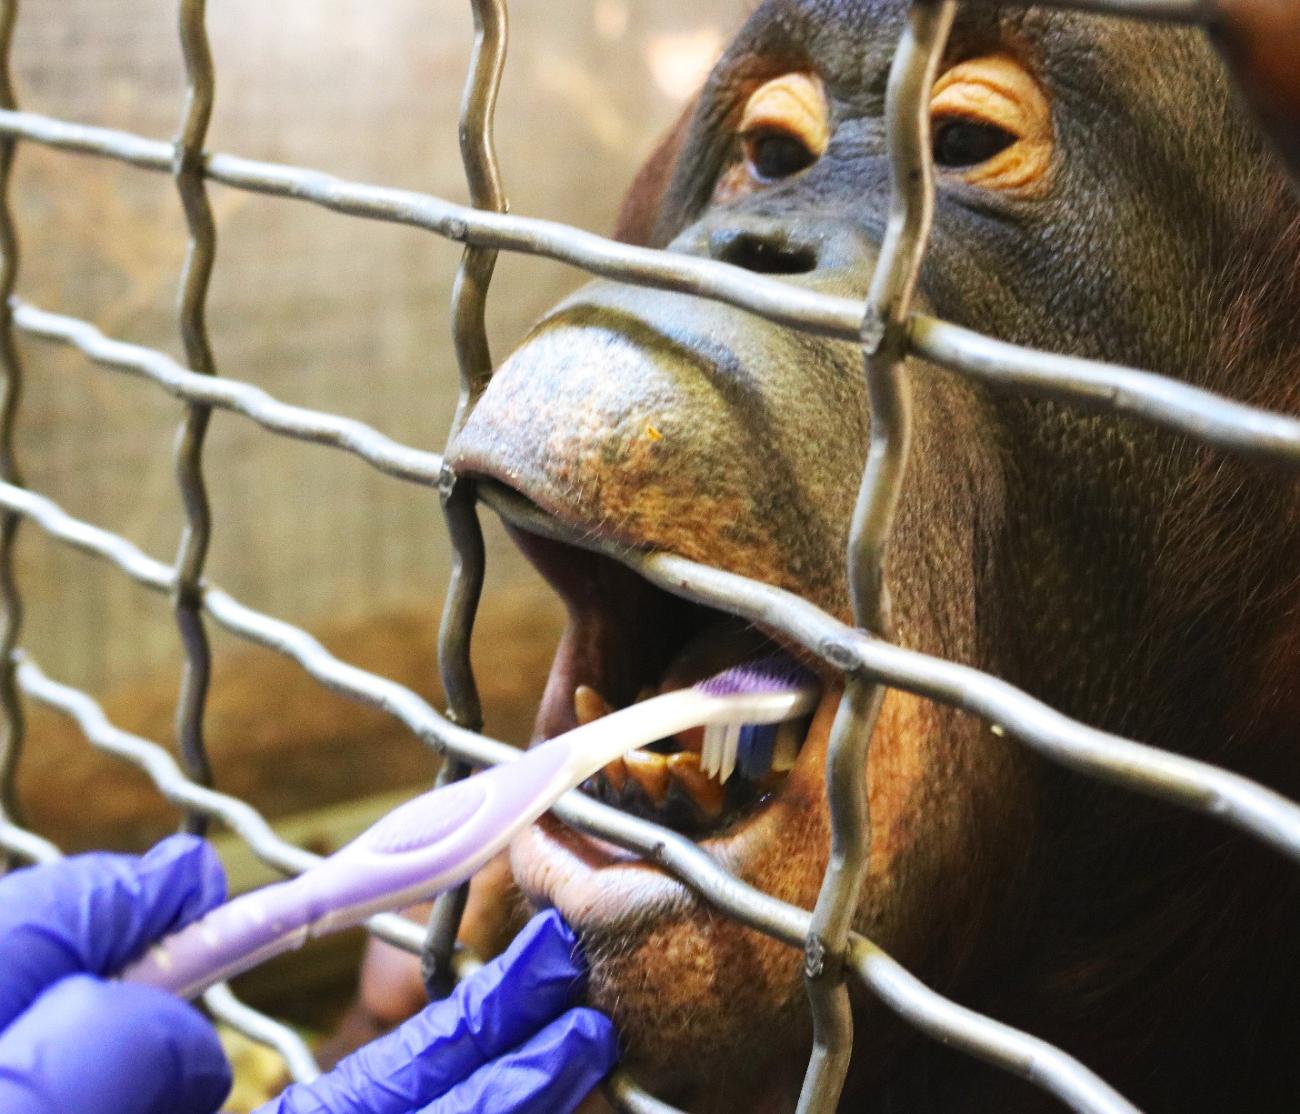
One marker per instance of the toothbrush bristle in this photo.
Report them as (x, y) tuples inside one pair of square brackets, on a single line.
[(730, 749), (747, 746), (711, 751), (776, 673), (757, 745)]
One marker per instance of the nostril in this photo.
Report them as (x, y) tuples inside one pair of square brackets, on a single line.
[(771, 253)]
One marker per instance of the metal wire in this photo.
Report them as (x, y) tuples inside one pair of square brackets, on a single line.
[(26, 846), (200, 254), (1198, 786), (674, 852), (888, 334), (884, 343), (474, 359), (199, 800), (402, 461), (1178, 407), (1181, 408), (1193, 784), (219, 999), (222, 1004), (11, 614)]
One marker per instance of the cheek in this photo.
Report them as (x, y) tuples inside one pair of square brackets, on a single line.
[(948, 811), (902, 774)]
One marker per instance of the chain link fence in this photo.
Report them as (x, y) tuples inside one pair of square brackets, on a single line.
[(887, 330)]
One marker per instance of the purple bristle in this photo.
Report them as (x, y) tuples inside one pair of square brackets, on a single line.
[(776, 673)]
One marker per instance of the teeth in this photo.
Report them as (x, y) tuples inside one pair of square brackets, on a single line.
[(616, 773), (650, 771), (707, 793), (644, 694), (589, 705), (655, 773), (785, 751)]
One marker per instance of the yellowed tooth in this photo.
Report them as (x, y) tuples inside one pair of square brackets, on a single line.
[(644, 694), (650, 771), (616, 773), (589, 705), (785, 751), (705, 791)]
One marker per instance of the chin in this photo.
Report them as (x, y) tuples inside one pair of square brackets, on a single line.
[(696, 996)]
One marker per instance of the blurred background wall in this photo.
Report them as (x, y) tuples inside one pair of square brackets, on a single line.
[(319, 309)]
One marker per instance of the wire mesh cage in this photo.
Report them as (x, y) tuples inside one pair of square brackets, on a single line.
[(887, 330)]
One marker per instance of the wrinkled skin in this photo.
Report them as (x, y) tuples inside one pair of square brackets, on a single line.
[(1130, 578)]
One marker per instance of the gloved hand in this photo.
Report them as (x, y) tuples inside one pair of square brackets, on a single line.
[(70, 1041), (505, 1042)]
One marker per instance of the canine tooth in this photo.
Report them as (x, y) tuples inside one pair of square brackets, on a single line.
[(785, 751), (650, 771), (706, 792), (589, 705), (616, 774)]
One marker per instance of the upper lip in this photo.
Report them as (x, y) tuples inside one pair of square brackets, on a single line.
[(524, 513), (626, 637)]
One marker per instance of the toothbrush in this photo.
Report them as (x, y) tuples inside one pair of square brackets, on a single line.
[(439, 839), (754, 745)]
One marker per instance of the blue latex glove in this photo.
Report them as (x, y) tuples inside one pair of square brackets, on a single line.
[(505, 1042), (70, 1041)]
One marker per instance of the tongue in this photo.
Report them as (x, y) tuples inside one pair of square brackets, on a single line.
[(714, 649)]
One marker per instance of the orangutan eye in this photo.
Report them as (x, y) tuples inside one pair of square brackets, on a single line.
[(783, 130), (991, 123), (773, 155), (962, 143)]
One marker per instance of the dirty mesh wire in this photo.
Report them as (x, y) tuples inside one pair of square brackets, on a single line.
[(888, 331)]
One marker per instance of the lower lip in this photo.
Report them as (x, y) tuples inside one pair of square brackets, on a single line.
[(593, 883), (596, 883)]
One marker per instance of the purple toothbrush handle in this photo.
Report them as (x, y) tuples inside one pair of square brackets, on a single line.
[(230, 939), (415, 852)]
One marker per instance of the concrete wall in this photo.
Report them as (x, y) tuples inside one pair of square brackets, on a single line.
[(319, 309)]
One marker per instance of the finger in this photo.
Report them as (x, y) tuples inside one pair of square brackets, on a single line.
[(492, 914), (95, 912), (391, 988), (111, 1048), (534, 981), (551, 1074)]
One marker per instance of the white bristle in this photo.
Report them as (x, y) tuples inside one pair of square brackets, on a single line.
[(730, 750), (711, 751), (754, 687)]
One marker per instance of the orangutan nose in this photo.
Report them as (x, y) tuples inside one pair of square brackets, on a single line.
[(767, 247)]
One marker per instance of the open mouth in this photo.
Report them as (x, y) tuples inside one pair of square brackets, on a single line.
[(626, 641)]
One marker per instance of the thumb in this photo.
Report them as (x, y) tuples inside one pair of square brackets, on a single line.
[(93, 913), (111, 1048)]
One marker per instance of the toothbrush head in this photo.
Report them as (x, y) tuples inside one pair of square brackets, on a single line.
[(753, 746), (774, 673), (756, 749)]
